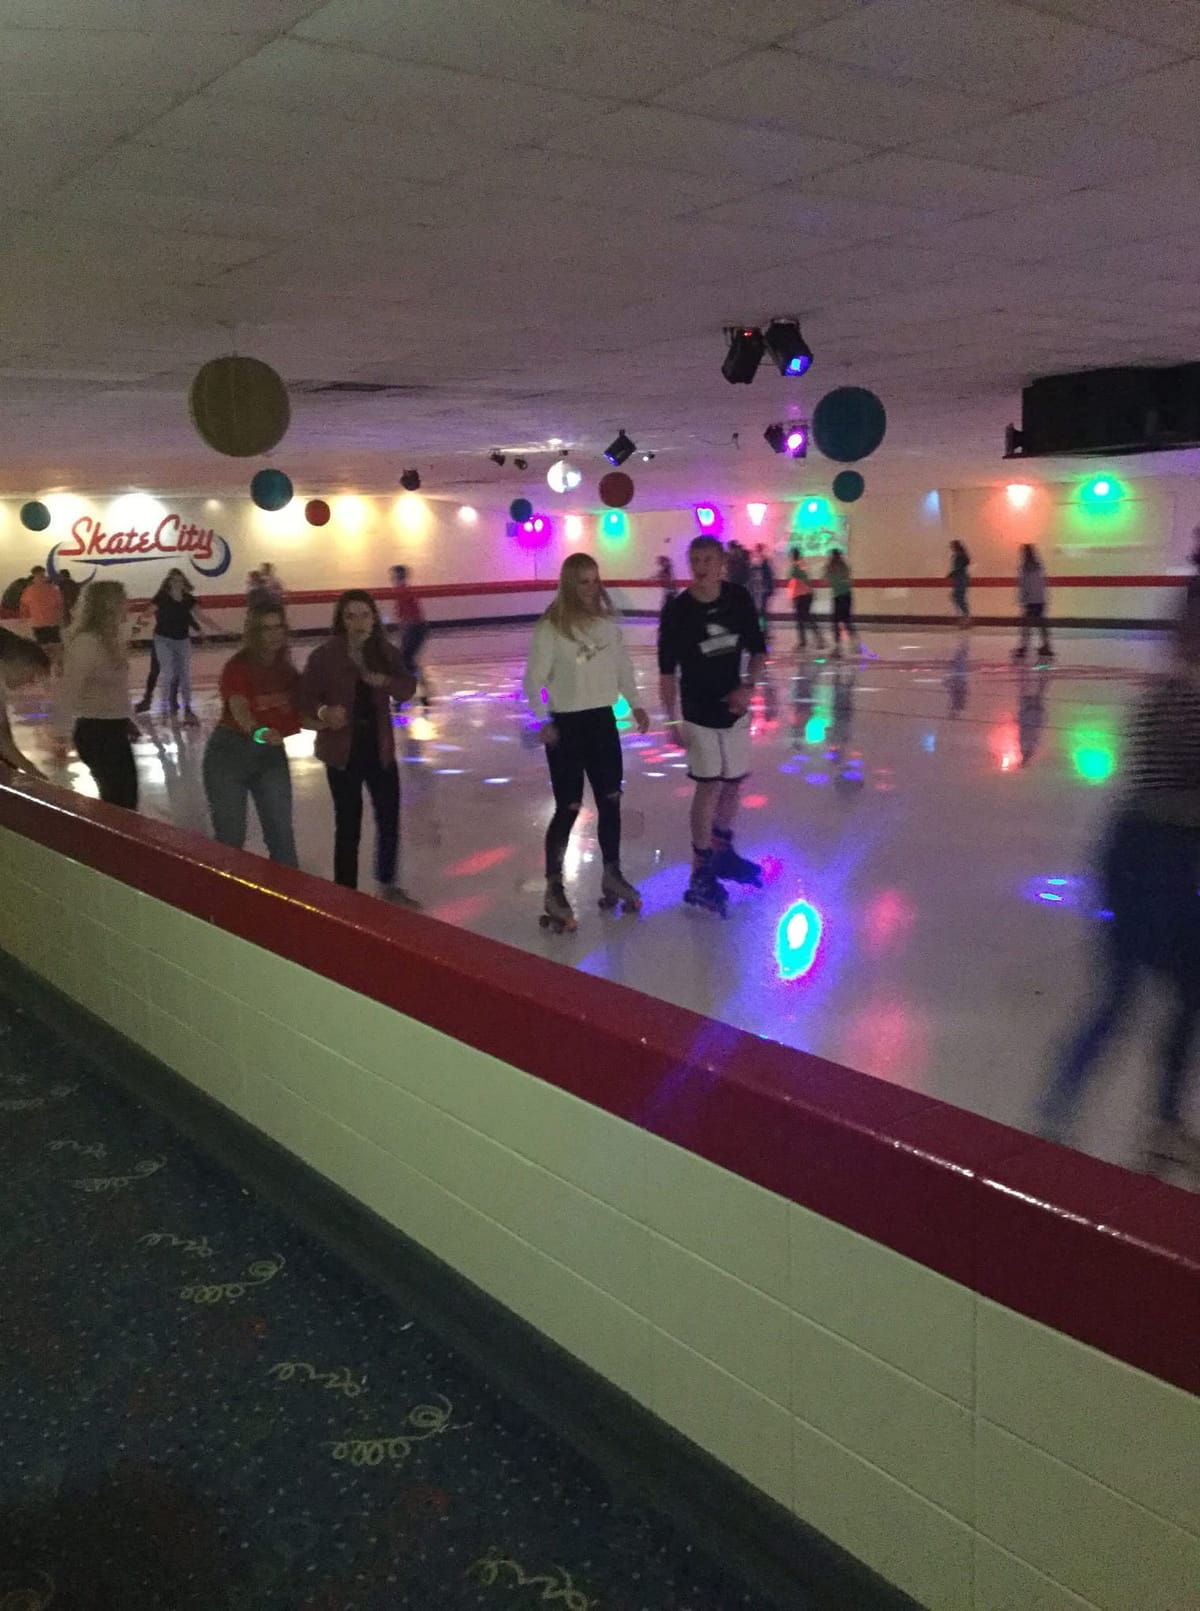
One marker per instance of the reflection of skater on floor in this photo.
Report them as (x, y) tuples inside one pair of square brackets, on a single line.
[(1031, 712), (957, 681), (1149, 864)]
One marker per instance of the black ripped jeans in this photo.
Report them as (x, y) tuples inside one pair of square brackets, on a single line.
[(588, 746)]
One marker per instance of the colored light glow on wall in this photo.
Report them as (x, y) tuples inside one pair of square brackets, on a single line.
[(1019, 494), (467, 515), (614, 527), (708, 518), (933, 503), (1101, 489), (574, 528), (535, 532), (757, 513), (797, 940), (350, 512), (412, 513), (135, 509), (1093, 755)]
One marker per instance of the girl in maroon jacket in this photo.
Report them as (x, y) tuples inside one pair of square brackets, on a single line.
[(347, 689)]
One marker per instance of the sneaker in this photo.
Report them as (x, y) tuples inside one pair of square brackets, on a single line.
[(399, 897), (142, 706)]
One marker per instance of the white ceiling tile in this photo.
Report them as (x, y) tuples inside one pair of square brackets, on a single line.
[(533, 42), (661, 139), (989, 47), (441, 104), (1061, 144), (1161, 104), (1172, 23), (776, 89), (906, 180)]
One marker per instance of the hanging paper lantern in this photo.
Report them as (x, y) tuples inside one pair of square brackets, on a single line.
[(316, 512), (616, 489), (520, 509), (271, 489), (239, 406), (848, 486), (848, 424), (35, 516)]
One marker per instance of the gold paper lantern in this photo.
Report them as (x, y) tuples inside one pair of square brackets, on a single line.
[(239, 406)]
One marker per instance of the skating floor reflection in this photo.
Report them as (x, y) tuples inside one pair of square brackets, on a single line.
[(925, 818)]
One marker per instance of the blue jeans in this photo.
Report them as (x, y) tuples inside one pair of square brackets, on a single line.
[(237, 769), (175, 664)]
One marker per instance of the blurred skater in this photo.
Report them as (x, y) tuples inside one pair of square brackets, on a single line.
[(1031, 596), (800, 591), (841, 586), (959, 577), (43, 606), (408, 614), (762, 587), (1149, 870), (22, 663), (93, 701)]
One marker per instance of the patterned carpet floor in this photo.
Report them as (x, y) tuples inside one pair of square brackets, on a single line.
[(203, 1409)]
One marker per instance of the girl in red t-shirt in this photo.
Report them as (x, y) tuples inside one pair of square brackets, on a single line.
[(245, 758)]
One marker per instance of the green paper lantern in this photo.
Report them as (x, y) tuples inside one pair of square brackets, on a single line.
[(35, 516), (271, 490), (848, 486), (239, 406)]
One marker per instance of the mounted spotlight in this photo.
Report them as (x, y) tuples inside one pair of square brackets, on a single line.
[(411, 481), (520, 464), (791, 354), (646, 457), (620, 449), (744, 355), (497, 457), (791, 438)]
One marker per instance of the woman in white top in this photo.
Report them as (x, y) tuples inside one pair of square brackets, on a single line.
[(1031, 596), (93, 702), (578, 666)]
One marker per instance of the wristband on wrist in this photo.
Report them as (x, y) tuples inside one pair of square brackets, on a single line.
[(260, 734)]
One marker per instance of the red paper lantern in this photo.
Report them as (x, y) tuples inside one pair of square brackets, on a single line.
[(316, 512), (616, 489)]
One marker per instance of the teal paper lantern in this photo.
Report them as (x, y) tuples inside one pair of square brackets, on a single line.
[(848, 486), (521, 510), (35, 516), (849, 424), (271, 490)]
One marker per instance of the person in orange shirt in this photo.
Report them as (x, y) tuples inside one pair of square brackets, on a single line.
[(42, 607)]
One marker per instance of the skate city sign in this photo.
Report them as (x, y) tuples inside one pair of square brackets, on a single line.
[(171, 537)]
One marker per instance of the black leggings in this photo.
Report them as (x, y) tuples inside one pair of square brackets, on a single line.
[(104, 748), (843, 616), (588, 746), (346, 786), (802, 605)]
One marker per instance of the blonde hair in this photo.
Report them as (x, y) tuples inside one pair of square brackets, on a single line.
[(101, 612), (566, 614), (253, 629)]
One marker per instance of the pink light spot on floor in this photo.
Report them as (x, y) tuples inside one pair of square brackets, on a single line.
[(462, 912), (481, 862), (754, 802)]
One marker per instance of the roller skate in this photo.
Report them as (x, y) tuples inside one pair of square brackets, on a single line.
[(726, 863), (705, 891), (557, 915), (616, 890)]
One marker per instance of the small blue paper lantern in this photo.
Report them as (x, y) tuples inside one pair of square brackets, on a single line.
[(271, 489), (849, 424), (35, 516), (848, 486)]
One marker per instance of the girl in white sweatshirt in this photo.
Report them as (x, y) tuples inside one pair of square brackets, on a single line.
[(578, 666)]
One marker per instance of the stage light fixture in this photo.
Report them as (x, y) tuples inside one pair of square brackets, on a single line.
[(790, 438), (620, 449), (498, 458), (520, 464), (744, 355), (411, 481), (646, 457), (791, 354)]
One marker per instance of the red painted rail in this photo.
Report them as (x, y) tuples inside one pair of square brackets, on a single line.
[(1109, 1257)]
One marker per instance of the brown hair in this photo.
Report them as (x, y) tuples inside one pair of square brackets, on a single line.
[(375, 649), (252, 633)]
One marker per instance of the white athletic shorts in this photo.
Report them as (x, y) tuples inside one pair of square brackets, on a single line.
[(718, 753)]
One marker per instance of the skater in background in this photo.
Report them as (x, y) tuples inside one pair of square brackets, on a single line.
[(737, 564), (840, 580), (1031, 596), (43, 607), (245, 758), (270, 579), (959, 577), (578, 666), (346, 693), (22, 663), (176, 617), (70, 590), (664, 575), (762, 587), (800, 591), (93, 698), (258, 595), (702, 637), (408, 614), (1149, 869)]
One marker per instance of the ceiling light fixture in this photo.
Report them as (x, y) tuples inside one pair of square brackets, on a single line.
[(790, 438), (497, 457), (411, 481), (620, 448), (646, 457), (744, 355), (791, 354), (520, 464)]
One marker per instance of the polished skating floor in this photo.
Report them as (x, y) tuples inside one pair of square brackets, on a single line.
[(925, 816)]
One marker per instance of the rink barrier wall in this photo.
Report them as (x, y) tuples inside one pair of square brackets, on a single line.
[(965, 1356)]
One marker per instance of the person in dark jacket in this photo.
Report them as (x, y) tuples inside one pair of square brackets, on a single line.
[(346, 692)]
